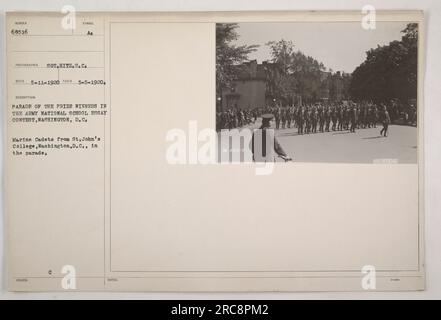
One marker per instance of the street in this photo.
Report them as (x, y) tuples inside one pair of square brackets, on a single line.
[(363, 146)]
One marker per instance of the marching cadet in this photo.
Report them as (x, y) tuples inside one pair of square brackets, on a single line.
[(289, 116), (294, 117), (300, 120), (353, 118), (327, 118), (266, 124), (307, 118), (313, 121), (340, 118), (334, 117), (370, 115), (345, 118), (283, 118), (277, 116), (375, 117), (358, 116), (321, 119), (385, 121), (364, 117)]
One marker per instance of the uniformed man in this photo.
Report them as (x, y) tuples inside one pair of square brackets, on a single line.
[(346, 118), (278, 116), (364, 117), (321, 118), (288, 117), (300, 120), (340, 118), (357, 108), (283, 117), (385, 121), (370, 117), (375, 117), (353, 118), (334, 117), (314, 119), (327, 118), (307, 119), (266, 125)]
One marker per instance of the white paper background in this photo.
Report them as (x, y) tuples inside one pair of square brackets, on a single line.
[(432, 10)]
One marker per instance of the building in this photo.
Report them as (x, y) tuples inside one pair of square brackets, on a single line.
[(250, 89), (255, 83)]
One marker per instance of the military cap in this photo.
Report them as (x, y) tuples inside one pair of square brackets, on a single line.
[(267, 117)]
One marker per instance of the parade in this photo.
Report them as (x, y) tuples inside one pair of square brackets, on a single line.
[(356, 106), (323, 117)]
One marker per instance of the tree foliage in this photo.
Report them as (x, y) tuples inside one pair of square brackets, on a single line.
[(228, 55), (280, 74), (296, 73), (389, 71)]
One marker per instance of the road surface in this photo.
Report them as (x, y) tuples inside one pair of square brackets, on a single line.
[(363, 146)]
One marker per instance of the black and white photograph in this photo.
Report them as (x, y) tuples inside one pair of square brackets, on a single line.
[(333, 92), (227, 150)]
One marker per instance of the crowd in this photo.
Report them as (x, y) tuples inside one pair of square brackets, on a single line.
[(236, 118), (323, 117)]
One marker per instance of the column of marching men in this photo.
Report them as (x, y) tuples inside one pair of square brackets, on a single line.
[(321, 117)]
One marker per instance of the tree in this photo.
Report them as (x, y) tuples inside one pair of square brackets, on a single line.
[(228, 55), (389, 71), (282, 84), (295, 73), (281, 52)]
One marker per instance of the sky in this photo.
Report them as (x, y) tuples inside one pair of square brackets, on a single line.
[(340, 46)]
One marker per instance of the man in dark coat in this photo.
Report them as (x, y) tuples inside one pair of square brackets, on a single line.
[(267, 153), (385, 121)]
